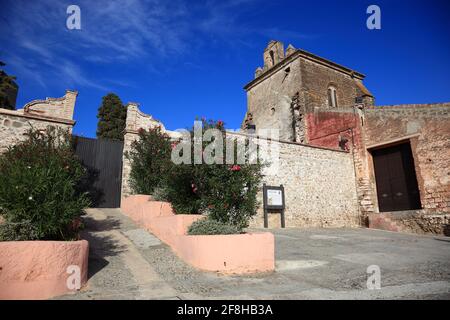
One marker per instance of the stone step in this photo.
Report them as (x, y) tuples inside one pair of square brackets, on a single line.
[(383, 222)]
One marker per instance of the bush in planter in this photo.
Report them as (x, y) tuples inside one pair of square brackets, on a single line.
[(11, 231), (39, 194), (150, 160), (227, 193), (209, 226), (180, 191)]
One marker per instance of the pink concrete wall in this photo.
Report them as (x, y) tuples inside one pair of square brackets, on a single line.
[(38, 269), (241, 253), (140, 208), (237, 253), (169, 228)]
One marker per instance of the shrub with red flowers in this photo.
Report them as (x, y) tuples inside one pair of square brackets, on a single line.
[(228, 193), (225, 192), (150, 160)]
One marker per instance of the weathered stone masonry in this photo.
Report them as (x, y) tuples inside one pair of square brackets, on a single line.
[(295, 84), (320, 187), (425, 127), (37, 114), (316, 179), (293, 93)]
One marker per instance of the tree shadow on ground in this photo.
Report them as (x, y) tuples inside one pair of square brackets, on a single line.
[(101, 245)]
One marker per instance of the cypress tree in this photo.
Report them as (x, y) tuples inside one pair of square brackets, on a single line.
[(8, 90), (112, 115)]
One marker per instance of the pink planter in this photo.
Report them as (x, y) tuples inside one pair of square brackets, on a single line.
[(170, 228), (39, 269), (240, 253), (237, 253)]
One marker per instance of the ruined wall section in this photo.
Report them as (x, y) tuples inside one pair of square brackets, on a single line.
[(38, 114)]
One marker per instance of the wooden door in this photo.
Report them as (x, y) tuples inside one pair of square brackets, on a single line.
[(396, 178)]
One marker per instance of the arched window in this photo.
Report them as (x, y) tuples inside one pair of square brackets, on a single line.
[(272, 57), (332, 97)]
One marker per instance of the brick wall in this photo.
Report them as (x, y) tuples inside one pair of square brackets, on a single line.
[(425, 127)]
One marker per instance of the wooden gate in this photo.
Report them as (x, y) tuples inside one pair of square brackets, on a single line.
[(396, 178), (103, 159)]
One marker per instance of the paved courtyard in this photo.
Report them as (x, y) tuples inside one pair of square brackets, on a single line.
[(127, 262)]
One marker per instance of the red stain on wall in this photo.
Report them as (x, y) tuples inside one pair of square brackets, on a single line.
[(331, 129)]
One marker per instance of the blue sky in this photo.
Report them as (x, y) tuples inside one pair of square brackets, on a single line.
[(182, 59)]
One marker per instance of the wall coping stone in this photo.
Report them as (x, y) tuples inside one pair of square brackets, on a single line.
[(287, 142), (17, 113)]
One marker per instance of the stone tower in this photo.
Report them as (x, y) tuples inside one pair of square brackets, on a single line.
[(295, 82)]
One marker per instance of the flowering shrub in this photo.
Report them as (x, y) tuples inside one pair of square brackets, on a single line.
[(150, 160), (227, 193), (39, 194)]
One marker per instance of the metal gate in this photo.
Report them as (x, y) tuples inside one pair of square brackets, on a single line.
[(103, 160)]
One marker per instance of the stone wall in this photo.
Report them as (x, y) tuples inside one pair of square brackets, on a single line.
[(269, 101), (317, 77), (342, 129), (38, 114), (319, 183), (414, 221), (426, 127)]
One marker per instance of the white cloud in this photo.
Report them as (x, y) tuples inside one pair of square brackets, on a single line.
[(127, 31)]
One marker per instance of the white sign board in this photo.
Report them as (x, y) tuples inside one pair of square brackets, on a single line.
[(274, 197)]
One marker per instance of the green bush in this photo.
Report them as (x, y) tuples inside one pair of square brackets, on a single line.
[(150, 160), (39, 193), (10, 231), (179, 190), (227, 193), (209, 226)]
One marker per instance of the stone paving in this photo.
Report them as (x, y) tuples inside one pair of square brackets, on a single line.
[(117, 268), (127, 262)]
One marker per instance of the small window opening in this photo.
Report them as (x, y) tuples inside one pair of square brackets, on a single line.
[(332, 97), (272, 57)]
